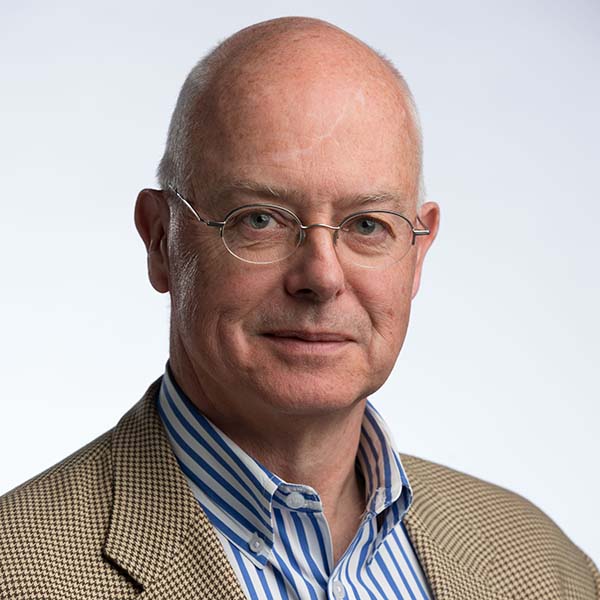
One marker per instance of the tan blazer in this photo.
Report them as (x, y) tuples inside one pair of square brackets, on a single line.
[(116, 520)]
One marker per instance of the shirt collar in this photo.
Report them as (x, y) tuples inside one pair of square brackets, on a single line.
[(237, 492)]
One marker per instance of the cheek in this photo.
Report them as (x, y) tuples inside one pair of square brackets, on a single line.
[(388, 303), (196, 258), (185, 285), (219, 295)]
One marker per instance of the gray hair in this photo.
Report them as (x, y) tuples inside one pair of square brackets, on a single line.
[(176, 167), (415, 121)]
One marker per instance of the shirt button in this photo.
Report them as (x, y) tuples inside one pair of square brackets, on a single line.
[(256, 544), (339, 591), (295, 500)]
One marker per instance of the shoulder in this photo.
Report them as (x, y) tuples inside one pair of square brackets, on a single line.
[(488, 507), (52, 527), (480, 499), (60, 489), (78, 462), (476, 519)]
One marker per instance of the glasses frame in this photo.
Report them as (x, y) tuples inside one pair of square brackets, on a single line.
[(303, 228)]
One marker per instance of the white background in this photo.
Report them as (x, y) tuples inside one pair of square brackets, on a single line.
[(499, 373)]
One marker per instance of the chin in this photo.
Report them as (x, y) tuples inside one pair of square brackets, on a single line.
[(311, 395)]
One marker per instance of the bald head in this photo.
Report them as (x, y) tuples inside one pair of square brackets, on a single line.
[(266, 75)]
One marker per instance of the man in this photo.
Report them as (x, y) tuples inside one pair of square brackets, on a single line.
[(290, 232)]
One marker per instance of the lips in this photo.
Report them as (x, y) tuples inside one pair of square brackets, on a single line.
[(311, 336)]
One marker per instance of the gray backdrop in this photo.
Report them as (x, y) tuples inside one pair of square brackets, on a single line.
[(498, 376)]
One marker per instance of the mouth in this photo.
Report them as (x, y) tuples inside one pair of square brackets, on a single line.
[(293, 343), (310, 336)]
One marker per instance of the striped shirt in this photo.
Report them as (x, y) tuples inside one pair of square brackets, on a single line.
[(275, 533)]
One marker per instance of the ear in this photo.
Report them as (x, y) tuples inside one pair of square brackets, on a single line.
[(429, 213), (152, 222)]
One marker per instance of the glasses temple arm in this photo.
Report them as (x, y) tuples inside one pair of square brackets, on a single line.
[(416, 232), (205, 221)]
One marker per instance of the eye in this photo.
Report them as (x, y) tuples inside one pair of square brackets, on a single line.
[(262, 221), (366, 225), (258, 220)]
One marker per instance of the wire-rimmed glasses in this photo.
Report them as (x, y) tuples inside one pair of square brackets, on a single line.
[(263, 234)]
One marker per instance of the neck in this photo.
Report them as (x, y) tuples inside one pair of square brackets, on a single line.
[(318, 450), (322, 455)]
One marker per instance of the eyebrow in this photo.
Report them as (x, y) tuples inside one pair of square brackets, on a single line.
[(259, 189), (273, 192)]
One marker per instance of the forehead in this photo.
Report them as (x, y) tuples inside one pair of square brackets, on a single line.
[(329, 128), (230, 194)]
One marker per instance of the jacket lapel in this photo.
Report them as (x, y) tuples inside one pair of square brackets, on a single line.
[(453, 555), (157, 534)]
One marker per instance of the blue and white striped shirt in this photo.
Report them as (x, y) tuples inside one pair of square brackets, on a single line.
[(275, 534)]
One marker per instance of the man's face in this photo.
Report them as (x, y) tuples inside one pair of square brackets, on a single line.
[(307, 334)]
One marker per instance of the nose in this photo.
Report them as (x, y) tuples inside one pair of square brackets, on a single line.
[(315, 273)]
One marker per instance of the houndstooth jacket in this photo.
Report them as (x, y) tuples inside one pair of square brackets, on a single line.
[(117, 520)]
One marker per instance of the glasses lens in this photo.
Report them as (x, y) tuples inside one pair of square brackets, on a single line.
[(261, 234), (374, 239)]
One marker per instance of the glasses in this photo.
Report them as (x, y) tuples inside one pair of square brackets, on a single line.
[(262, 234)]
